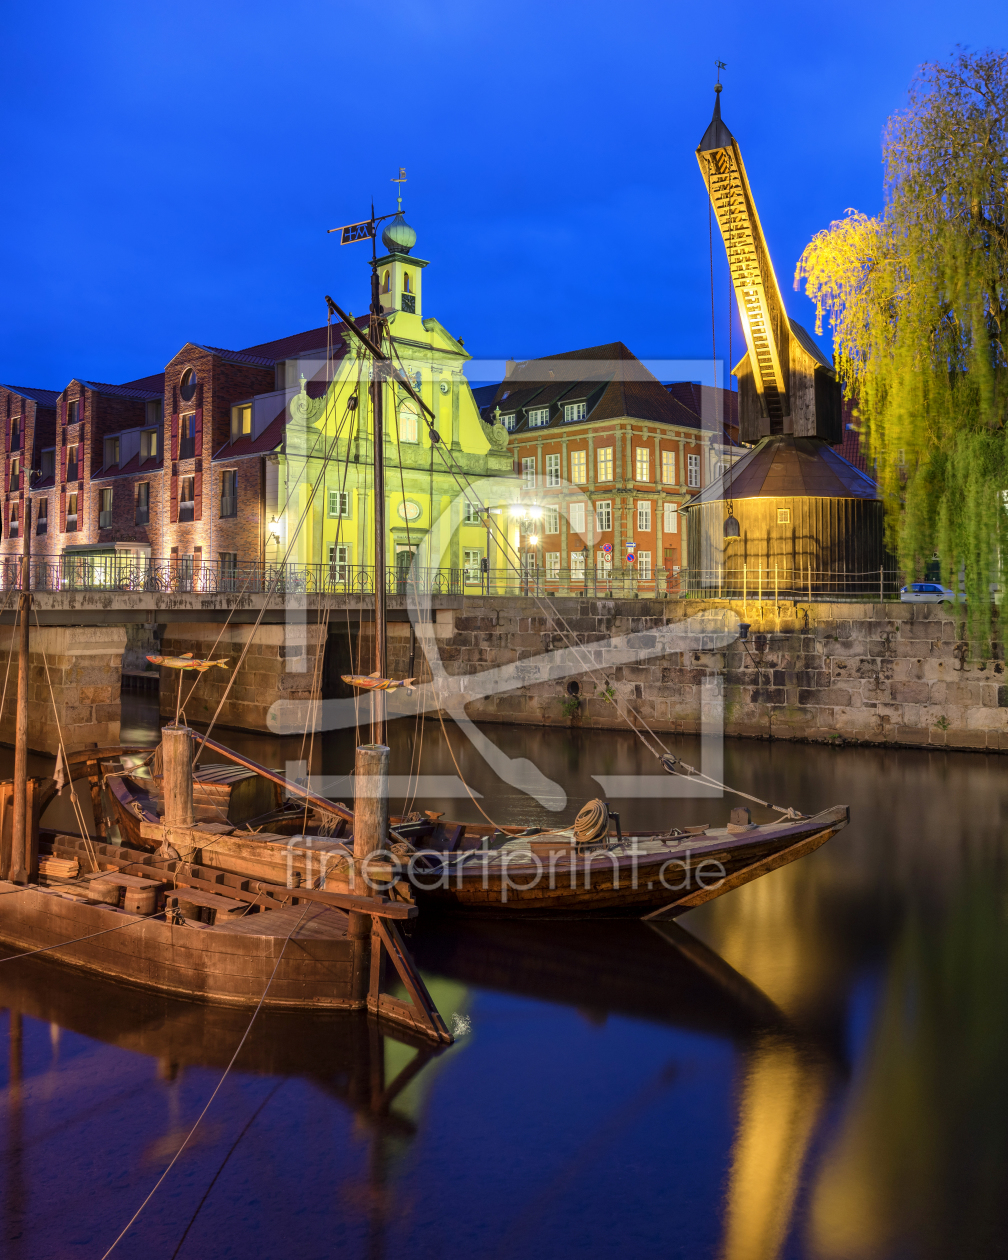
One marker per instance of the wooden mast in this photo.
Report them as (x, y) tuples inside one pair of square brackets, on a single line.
[(21, 840), (378, 375)]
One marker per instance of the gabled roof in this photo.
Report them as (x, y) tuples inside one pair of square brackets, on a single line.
[(715, 408), (237, 356), (154, 382), (304, 342), (44, 397), (123, 391), (627, 388), (809, 344)]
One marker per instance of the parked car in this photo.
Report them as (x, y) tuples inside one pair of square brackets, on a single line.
[(929, 593)]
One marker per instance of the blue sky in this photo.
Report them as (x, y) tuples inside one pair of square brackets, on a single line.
[(171, 169)]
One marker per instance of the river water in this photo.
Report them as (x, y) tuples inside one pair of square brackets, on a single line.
[(813, 1065)]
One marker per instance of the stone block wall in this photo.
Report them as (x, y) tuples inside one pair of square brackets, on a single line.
[(871, 673), (280, 665), (85, 670)]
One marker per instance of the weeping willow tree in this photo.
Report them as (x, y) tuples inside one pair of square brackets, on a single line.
[(917, 299)]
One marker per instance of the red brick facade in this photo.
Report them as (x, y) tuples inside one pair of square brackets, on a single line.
[(28, 420)]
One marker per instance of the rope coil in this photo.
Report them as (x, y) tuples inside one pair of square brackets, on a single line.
[(592, 824)]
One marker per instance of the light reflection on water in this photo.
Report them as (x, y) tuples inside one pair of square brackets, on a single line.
[(817, 1067)]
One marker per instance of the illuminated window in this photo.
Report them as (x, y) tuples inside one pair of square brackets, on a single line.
[(579, 467), (148, 444), (783, 516), (668, 467), (643, 463), (603, 458), (241, 421)]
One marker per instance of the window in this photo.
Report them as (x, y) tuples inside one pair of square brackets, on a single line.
[(574, 411), (577, 566), (579, 467), (471, 563), (14, 523), (668, 467), (408, 420), (644, 565), (603, 562), (229, 493), (551, 521), (241, 421), (148, 444), (644, 517), (111, 452), (71, 463), (48, 464), (185, 573), (671, 522), (643, 455), (603, 515), (509, 422), (42, 516), (576, 516), (187, 386), (72, 412), (143, 503), (15, 433), (386, 284), (693, 471), (783, 516), (228, 570), (339, 503), (339, 562), (539, 418), (187, 499), (105, 509), (552, 470), (553, 564), (71, 521), (529, 472), (187, 443), (154, 412), (471, 513), (603, 458), (406, 282), (15, 474)]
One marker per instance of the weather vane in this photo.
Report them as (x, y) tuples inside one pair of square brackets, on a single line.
[(399, 179), (720, 66)]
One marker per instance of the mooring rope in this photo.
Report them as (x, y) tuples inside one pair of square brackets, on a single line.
[(185, 1143)]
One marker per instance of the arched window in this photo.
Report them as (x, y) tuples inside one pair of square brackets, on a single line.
[(406, 283), (386, 281)]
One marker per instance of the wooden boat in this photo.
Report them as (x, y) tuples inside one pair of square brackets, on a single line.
[(466, 868)]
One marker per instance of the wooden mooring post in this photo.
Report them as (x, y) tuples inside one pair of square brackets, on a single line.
[(177, 757), (21, 823)]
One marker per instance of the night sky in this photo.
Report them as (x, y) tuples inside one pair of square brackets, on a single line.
[(170, 170)]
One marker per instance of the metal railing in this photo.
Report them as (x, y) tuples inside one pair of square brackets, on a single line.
[(125, 572)]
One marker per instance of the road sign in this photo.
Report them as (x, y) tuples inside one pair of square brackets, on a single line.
[(607, 548), (354, 232)]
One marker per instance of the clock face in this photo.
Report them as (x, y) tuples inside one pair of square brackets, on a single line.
[(445, 387), (408, 510)]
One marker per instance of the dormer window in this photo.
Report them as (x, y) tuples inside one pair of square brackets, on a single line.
[(241, 421), (111, 452), (509, 422), (148, 444), (575, 411), (538, 418)]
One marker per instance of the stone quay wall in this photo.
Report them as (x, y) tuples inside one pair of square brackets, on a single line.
[(280, 665), (884, 673), (85, 670)]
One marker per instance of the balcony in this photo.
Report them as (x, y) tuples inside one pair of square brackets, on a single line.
[(185, 511), (105, 519), (142, 515), (228, 505), (187, 448)]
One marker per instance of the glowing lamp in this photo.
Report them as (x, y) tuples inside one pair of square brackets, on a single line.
[(274, 529)]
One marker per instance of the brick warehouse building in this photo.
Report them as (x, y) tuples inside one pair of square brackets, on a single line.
[(608, 455), (28, 417)]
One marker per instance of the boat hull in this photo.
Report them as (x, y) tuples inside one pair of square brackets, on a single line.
[(602, 884)]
